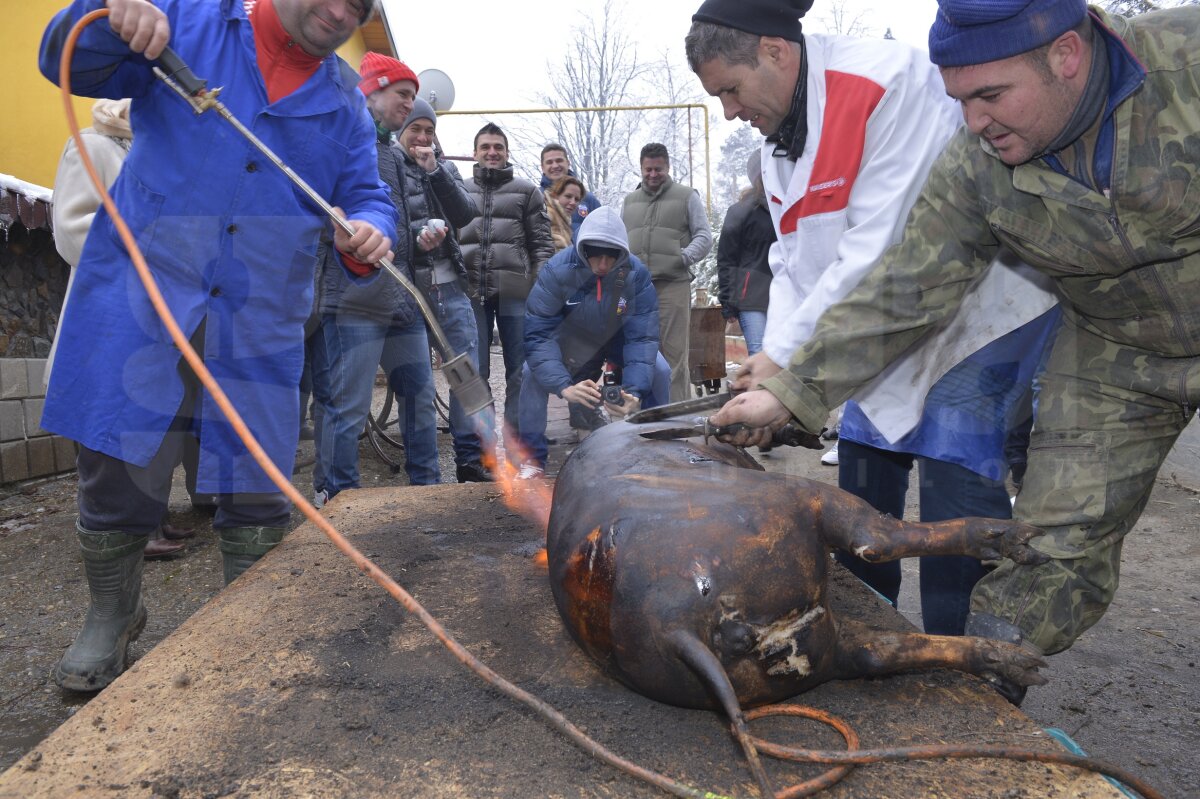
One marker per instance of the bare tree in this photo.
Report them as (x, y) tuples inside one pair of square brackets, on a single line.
[(602, 71), (680, 129), (845, 17), (730, 180)]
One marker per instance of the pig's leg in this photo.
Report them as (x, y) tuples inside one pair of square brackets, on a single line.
[(700, 659), (848, 523), (866, 652)]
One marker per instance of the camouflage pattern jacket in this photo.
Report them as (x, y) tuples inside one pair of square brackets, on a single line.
[(1125, 263)]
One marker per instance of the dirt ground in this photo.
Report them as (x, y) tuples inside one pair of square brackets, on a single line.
[(1128, 691)]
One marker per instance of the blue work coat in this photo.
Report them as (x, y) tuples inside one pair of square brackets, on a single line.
[(228, 237)]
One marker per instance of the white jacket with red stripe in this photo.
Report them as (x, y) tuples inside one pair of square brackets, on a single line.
[(878, 115)]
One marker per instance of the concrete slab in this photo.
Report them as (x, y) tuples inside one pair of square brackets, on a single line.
[(304, 679)]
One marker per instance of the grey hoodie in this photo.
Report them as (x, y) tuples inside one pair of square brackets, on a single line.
[(573, 318), (603, 226)]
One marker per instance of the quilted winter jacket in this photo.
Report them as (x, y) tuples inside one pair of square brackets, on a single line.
[(509, 241)]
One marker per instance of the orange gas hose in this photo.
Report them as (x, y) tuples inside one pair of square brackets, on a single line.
[(556, 719)]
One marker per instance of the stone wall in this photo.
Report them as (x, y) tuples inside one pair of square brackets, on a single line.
[(33, 283), (26, 450)]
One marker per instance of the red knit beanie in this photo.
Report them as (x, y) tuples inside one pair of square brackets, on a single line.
[(380, 70)]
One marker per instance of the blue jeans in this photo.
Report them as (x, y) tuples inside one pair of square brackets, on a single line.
[(535, 396), (754, 325), (508, 315), (947, 491), (354, 349), (454, 313)]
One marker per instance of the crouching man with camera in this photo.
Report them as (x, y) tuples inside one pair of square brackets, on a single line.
[(592, 303)]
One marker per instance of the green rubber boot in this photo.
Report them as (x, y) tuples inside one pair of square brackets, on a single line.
[(242, 546), (113, 565)]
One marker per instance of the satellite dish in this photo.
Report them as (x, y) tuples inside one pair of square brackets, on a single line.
[(436, 89)]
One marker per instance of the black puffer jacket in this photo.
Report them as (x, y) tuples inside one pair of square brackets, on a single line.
[(436, 195), (509, 241), (743, 271), (382, 299)]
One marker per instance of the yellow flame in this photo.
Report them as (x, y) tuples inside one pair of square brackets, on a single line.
[(528, 498)]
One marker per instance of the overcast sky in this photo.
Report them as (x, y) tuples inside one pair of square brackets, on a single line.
[(497, 54)]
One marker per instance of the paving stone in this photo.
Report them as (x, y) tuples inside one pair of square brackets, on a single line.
[(12, 420), (65, 452), (36, 370), (33, 417), (41, 457), (14, 462), (14, 378)]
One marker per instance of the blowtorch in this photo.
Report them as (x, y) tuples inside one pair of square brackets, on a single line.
[(461, 374)]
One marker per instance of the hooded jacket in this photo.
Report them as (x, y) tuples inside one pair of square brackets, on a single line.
[(510, 239), (573, 318)]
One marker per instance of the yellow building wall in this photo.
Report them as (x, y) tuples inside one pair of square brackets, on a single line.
[(33, 127), (353, 50)]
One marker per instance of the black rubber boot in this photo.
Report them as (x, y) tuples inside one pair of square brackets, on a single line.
[(242, 546), (113, 565), (985, 625)]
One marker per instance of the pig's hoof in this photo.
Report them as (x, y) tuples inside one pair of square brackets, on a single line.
[(1010, 663), (1010, 540)]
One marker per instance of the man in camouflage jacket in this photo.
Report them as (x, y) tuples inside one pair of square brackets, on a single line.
[(1081, 155)]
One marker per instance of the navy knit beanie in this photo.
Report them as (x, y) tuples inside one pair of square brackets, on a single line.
[(761, 17), (420, 110), (968, 32)]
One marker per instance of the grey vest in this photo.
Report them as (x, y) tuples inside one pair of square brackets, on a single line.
[(658, 229)]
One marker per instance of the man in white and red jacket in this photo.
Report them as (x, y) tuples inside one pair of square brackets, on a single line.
[(852, 129)]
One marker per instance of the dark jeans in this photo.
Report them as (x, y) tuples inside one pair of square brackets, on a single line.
[(508, 315), (947, 491), (115, 496)]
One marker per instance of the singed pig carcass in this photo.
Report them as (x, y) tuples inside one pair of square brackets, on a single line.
[(698, 579)]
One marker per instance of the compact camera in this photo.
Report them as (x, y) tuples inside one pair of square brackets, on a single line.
[(610, 389)]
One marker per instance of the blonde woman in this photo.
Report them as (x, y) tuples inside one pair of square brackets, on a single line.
[(562, 198)]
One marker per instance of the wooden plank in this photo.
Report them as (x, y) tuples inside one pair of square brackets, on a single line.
[(706, 351), (304, 679)]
